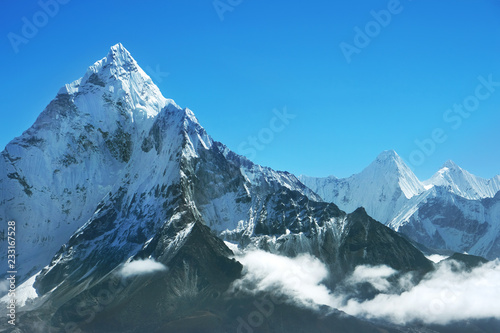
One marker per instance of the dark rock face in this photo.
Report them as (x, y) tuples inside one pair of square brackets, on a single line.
[(198, 273), (292, 221), (189, 297), (468, 261), (370, 243)]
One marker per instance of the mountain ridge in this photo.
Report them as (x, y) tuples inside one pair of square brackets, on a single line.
[(465, 200)]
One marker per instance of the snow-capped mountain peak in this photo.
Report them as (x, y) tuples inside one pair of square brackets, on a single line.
[(450, 165), (79, 149), (391, 169), (463, 183), (120, 54), (454, 209), (382, 188), (120, 80), (387, 155)]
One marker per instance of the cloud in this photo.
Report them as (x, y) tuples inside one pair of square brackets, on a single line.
[(448, 294), (445, 295), (139, 267), (299, 278), (375, 275)]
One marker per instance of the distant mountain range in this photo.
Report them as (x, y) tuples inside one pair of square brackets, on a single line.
[(453, 210), (112, 175)]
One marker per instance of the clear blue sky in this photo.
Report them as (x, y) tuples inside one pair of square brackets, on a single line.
[(266, 55)]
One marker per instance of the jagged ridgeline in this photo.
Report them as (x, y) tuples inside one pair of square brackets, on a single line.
[(112, 173), (453, 210)]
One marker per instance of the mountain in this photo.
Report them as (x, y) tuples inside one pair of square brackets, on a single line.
[(382, 188), (453, 210), (74, 154), (123, 177), (441, 219), (463, 183), (111, 135)]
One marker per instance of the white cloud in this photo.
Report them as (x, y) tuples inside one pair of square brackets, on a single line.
[(375, 275), (448, 294), (139, 267), (300, 278), (443, 296)]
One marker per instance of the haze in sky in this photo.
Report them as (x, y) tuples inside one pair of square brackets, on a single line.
[(318, 88)]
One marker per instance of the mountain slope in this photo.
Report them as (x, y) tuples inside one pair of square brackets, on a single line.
[(443, 220), (74, 154), (463, 183), (188, 297), (453, 210), (382, 188)]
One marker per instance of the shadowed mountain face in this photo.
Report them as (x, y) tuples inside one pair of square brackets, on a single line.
[(191, 296), (125, 177)]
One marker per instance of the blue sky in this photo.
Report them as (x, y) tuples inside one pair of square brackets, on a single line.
[(264, 56)]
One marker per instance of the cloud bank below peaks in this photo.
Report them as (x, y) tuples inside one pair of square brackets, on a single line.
[(299, 279), (448, 294)]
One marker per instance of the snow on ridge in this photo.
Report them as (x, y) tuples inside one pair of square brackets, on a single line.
[(407, 180), (425, 211), (382, 188), (389, 168), (388, 189), (86, 135), (25, 292), (119, 78), (463, 183)]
